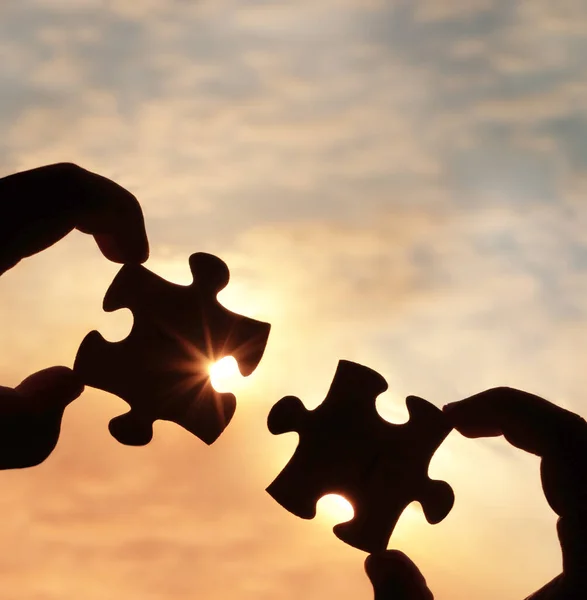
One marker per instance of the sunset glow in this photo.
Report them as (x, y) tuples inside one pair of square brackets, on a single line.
[(399, 184)]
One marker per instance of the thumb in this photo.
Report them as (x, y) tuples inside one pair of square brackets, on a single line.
[(30, 416), (50, 389), (395, 577)]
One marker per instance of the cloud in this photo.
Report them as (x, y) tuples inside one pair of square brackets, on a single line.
[(398, 183)]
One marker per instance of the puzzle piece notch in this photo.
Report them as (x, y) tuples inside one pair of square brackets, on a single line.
[(346, 448), (161, 368)]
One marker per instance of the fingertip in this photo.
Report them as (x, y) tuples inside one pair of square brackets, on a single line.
[(527, 421), (451, 412), (133, 249), (56, 385), (457, 417), (122, 236), (395, 576), (381, 567), (114, 216), (475, 416)]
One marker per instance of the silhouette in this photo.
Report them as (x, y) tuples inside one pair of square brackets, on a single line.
[(395, 577), (162, 368), (537, 426), (39, 207), (347, 448)]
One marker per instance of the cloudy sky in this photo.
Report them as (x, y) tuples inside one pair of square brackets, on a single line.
[(396, 182)]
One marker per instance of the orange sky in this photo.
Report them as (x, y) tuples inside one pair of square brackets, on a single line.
[(394, 183)]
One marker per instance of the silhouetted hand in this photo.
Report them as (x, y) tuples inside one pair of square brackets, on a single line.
[(37, 209), (537, 426), (395, 577)]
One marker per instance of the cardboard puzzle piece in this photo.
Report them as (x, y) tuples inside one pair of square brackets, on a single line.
[(162, 368), (346, 448)]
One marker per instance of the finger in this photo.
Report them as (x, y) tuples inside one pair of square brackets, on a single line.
[(31, 414), (115, 219), (525, 420), (537, 426), (57, 386), (395, 577), (40, 206), (52, 388)]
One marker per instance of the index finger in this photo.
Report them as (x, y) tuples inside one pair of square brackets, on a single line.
[(549, 431), (535, 425), (40, 206), (527, 421)]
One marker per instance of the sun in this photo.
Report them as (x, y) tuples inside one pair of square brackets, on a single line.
[(224, 374), (335, 509)]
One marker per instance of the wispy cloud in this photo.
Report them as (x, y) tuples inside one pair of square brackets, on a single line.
[(397, 183)]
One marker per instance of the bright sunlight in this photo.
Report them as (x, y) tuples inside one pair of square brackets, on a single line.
[(334, 509), (224, 374)]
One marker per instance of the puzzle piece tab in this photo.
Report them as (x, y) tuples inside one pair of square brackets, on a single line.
[(346, 448), (162, 368)]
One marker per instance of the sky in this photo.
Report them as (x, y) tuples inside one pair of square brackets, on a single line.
[(397, 183)]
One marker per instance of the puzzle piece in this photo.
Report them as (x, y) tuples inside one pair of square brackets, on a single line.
[(346, 448), (162, 368)]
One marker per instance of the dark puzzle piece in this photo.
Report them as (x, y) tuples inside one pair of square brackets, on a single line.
[(346, 448), (162, 368)]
